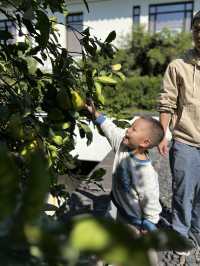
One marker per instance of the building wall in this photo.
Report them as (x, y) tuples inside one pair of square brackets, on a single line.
[(108, 15)]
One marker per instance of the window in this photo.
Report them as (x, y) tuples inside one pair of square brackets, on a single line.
[(7, 25), (74, 27), (175, 16), (136, 14)]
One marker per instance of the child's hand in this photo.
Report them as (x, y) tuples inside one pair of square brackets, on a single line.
[(92, 109), (90, 106)]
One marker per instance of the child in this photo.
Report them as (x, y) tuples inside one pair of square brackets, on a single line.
[(135, 188)]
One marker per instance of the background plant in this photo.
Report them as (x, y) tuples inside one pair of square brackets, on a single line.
[(143, 58)]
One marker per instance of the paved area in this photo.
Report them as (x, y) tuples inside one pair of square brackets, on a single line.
[(91, 198)]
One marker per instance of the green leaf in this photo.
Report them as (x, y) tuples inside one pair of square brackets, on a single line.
[(121, 75), (98, 174), (5, 35), (43, 25), (89, 234), (112, 241), (90, 49), (111, 37), (106, 80), (28, 14), (37, 187), (55, 114), (86, 32), (29, 26), (34, 50), (38, 60), (86, 132), (8, 183), (89, 79)]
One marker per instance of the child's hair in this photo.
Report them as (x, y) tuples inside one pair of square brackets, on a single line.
[(157, 131)]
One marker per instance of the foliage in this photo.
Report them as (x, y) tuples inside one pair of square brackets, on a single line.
[(151, 53), (143, 58), (135, 93)]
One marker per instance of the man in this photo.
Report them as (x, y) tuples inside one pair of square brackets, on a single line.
[(179, 103)]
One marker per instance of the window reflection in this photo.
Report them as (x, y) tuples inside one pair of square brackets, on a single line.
[(175, 16), (7, 25), (74, 29)]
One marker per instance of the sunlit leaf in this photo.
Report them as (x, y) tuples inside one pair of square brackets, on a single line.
[(113, 241)]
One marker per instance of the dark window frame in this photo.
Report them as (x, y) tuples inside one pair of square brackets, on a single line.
[(71, 15), (136, 17), (156, 12), (6, 28), (71, 23)]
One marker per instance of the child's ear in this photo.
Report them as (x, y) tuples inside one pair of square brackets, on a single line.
[(145, 143)]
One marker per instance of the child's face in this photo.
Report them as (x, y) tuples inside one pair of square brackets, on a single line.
[(137, 135)]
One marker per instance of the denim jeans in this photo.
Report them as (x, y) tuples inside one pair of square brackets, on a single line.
[(185, 168), (114, 213)]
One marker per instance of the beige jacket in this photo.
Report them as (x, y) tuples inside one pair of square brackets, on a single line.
[(180, 96)]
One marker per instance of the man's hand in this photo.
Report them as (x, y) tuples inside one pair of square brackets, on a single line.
[(163, 147)]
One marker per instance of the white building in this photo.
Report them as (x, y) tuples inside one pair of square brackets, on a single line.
[(108, 15)]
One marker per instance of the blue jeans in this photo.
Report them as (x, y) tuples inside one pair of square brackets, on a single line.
[(185, 168), (116, 213)]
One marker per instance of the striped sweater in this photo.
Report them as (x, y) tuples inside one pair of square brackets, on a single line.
[(135, 186)]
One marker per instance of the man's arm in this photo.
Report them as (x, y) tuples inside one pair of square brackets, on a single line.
[(165, 118), (167, 102)]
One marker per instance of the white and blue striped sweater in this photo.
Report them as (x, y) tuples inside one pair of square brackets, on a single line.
[(135, 186)]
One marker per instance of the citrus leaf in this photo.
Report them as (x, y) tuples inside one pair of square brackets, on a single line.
[(43, 26), (8, 183), (37, 188), (111, 37)]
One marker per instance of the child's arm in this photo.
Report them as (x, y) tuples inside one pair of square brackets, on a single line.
[(113, 133)]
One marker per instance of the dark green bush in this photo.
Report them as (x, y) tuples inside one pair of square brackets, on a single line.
[(139, 92), (149, 54)]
